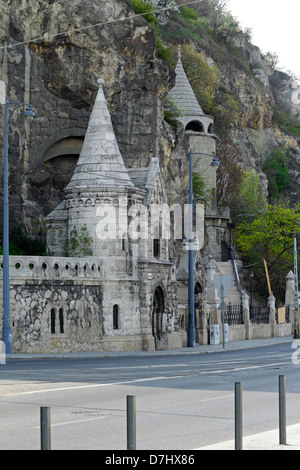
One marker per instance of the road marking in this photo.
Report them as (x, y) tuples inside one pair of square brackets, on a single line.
[(78, 387), (66, 423), (151, 379)]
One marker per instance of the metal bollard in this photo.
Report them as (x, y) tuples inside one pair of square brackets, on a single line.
[(238, 417), (282, 410), (131, 422), (45, 428)]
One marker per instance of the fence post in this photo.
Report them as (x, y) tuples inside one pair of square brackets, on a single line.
[(246, 314), (238, 416), (131, 422), (282, 410), (45, 428)]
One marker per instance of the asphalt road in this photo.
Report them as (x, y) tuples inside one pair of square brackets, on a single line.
[(183, 401)]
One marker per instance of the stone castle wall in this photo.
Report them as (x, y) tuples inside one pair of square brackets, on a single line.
[(67, 304)]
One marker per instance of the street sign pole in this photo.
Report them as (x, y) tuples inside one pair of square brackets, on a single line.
[(222, 312)]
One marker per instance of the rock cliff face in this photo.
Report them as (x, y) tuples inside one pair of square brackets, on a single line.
[(57, 73), (52, 56)]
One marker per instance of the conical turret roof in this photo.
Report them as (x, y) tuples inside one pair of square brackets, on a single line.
[(183, 94), (100, 163)]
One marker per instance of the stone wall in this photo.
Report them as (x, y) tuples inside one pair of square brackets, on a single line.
[(70, 304), (61, 316)]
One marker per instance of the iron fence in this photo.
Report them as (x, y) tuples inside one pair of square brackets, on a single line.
[(233, 315), (259, 315)]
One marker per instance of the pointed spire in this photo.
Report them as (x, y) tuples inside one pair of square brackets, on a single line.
[(100, 163), (182, 93)]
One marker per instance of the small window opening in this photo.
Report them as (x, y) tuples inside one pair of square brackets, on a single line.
[(61, 320), (52, 318), (156, 248), (195, 126), (116, 320)]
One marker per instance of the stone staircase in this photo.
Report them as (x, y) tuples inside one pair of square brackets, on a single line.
[(232, 294)]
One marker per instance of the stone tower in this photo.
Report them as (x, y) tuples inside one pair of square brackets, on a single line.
[(198, 126), (107, 215)]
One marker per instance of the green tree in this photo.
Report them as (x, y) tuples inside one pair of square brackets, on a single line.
[(203, 79), (249, 197), (269, 235), (277, 173)]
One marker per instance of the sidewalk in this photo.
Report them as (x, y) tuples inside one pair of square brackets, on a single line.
[(263, 441), (198, 349)]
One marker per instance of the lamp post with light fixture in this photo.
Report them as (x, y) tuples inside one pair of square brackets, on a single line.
[(191, 317), (6, 331)]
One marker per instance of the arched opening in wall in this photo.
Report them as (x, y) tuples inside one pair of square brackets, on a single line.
[(61, 320), (195, 126), (59, 164), (211, 129), (116, 319), (157, 313), (52, 321)]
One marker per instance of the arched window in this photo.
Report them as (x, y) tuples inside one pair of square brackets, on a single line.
[(210, 129), (52, 320), (116, 319), (61, 320), (195, 126)]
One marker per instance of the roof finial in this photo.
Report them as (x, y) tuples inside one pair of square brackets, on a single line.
[(100, 82)]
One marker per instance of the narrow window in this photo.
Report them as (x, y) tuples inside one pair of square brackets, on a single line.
[(116, 317), (156, 248), (61, 320), (52, 321)]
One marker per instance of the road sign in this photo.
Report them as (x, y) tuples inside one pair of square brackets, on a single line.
[(222, 280)]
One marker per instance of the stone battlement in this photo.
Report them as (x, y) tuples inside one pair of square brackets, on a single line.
[(49, 267)]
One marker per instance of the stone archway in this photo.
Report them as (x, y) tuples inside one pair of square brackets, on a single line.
[(59, 164), (195, 126)]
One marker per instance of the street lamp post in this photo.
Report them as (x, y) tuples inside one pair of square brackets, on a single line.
[(191, 317), (296, 289), (6, 331), (251, 295)]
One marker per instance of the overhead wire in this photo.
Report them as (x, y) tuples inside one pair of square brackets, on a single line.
[(48, 36)]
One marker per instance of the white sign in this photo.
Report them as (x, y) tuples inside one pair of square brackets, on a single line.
[(222, 280), (2, 92)]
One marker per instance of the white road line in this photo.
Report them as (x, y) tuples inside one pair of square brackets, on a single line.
[(78, 387), (151, 379), (66, 423)]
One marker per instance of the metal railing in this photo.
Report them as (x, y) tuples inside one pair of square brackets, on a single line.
[(233, 315), (235, 270), (259, 315)]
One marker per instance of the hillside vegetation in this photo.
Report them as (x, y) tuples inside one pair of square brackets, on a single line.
[(258, 130)]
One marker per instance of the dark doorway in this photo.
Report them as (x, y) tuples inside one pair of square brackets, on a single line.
[(157, 314)]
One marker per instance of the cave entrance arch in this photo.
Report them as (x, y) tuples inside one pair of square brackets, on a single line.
[(60, 160)]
